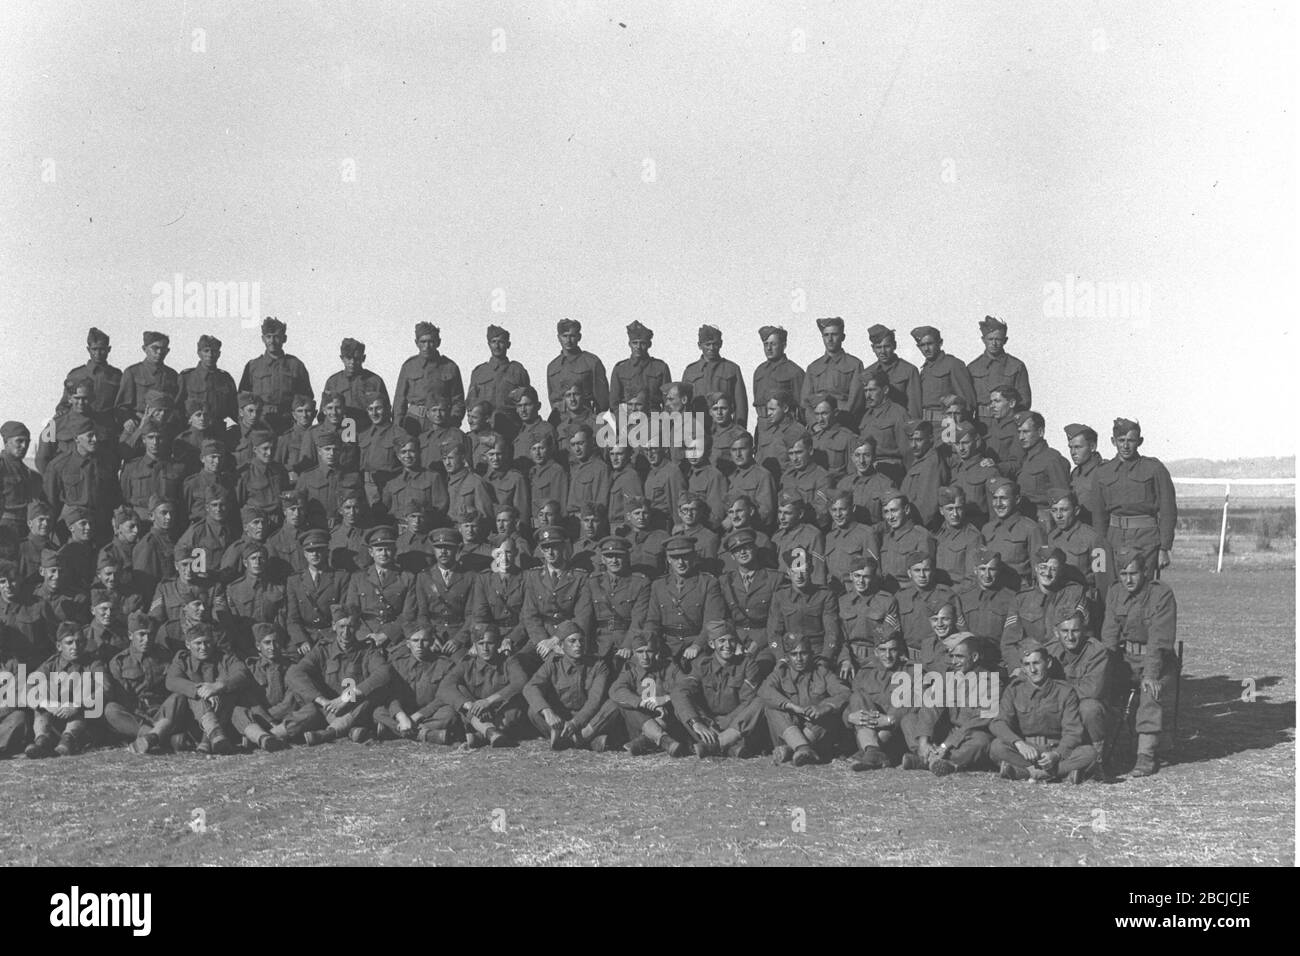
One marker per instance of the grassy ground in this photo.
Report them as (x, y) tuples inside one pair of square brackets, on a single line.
[(1228, 800)]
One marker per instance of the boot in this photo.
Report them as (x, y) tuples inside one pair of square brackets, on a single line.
[(146, 744), (805, 755), (67, 746), (1147, 761), (869, 758), (641, 746), (42, 746)]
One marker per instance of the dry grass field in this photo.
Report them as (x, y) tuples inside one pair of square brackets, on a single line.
[(1227, 799)]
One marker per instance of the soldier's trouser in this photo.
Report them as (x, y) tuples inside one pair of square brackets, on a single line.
[(972, 751), (190, 715), (1146, 537), (120, 722), (43, 723), (1151, 713), (1096, 720), (312, 717), (821, 734), (897, 740), (747, 719), (13, 730), (607, 720), (1080, 758), (634, 720)]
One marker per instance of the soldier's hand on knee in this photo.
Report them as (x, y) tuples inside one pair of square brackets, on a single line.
[(846, 670), (570, 729), (1026, 750), (1163, 561), (623, 652), (691, 652), (1151, 688)]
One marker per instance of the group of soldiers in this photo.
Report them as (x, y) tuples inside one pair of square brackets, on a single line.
[(242, 565)]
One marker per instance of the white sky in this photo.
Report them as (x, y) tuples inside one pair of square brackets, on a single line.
[(1117, 143)]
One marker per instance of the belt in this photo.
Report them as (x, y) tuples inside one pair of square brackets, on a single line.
[(932, 414), (1038, 740), (676, 630), (1132, 521), (983, 410), (613, 623), (1135, 647)]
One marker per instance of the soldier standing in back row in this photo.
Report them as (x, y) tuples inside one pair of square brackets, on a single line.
[(712, 373), (275, 377), (425, 375), (775, 373), (941, 375), (1138, 496), (995, 366), (639, 371), (903, 378), (837, 373)]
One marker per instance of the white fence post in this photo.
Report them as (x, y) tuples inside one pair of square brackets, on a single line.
[(1223, 528)]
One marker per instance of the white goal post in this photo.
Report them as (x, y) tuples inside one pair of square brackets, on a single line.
[(1227, 484)]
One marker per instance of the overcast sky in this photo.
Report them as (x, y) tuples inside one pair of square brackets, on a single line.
[(373, 164)]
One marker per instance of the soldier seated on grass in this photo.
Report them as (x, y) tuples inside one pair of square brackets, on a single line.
[(566, 693), (642, 692), (962, 732), (412, 710), (342, 682), (1038, 730), (261, 717), (718, 700), (137, 685), (206, 683), (887, 734), (803, 700), (61, 724), (486, 691)]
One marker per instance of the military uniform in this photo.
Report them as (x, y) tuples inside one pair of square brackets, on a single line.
[(357, 391), (275, 380), (621, 605), (776, 375), (550, 599), (477, 679), (185, 712), (721, 694), (386, 600), (845, 550), (444, 603), (413, 690), (421, 379), (680, 607), (1040, 469), (309, 600), (1015, 538), (584, 366), (1143, 628), (812, 485), (1089, 669), (865, 619), (988, 373), (915, 608), (322, 673), (1034, 613), (816, 687), (1045, 715), (886, 424), (954, 553), (574, 690), (922, 482), (139, 380), (810, 612), (630, 376), (838, 374), (904, 384), (719, 375), (326, 489), (1083, 482), (213, 389), (418, 487), (757, 484), (1139, 501), (897, 544), (499, 600), (873, 691), (252, 601)]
